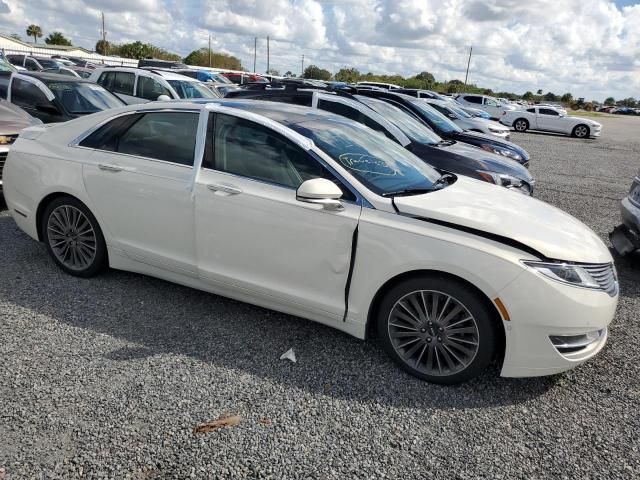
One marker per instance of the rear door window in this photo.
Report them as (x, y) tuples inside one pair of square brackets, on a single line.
[(353, 114), (123, 83), (473, 99)]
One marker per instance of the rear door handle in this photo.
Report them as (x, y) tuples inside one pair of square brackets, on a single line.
[(230, 189)]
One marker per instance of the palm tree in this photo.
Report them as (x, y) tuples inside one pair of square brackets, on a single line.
[(34, 31)]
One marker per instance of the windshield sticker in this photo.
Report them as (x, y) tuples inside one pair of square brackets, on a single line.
[(362, 162)]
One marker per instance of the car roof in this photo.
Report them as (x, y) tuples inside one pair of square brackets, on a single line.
[(156, 71), (47, 77)]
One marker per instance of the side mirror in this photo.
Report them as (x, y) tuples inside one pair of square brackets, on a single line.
[(164, 98), (452, 116), (321, 192)]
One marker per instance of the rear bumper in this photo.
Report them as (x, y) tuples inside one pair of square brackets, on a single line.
[(625, 238)]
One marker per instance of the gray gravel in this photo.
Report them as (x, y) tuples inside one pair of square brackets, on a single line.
[(106, 378)]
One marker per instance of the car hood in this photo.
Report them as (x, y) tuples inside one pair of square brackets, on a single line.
[(497, 211), (13, 119), (491, 162), (480, 138)]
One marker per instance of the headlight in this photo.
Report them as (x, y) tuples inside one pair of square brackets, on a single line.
[(565, 273), (505, 152), (497, 130), (507, 181)]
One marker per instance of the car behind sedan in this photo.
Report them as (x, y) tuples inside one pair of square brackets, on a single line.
[(626, 237), (551, 119), (311, 214)]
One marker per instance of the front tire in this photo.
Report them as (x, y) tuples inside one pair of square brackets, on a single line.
[(580, 131), (521, 125), (73, 237), (437, 329)]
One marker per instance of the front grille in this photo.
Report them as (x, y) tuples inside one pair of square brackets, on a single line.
[(605, 275), (3, 159)]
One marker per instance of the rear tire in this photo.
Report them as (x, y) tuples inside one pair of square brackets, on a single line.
[(73, 237), (580, 131), (521, 125), (437, 329)]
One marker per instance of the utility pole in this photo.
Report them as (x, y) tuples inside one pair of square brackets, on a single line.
[(255, 48), (468, 63), (267, 54), (302, 67), (105, 49), (209, 49)]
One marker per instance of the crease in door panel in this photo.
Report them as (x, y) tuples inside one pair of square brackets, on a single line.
[(352, 263)]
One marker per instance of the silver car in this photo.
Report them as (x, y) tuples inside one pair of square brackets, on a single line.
[(626, 237), (12, 120), (469, 122)]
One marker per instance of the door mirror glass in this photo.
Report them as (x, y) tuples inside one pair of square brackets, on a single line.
[(164, 98), (322, 192)]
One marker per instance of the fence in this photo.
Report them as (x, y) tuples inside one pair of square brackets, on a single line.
[(91, 57)]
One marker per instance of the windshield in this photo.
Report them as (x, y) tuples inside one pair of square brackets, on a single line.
[(459, 112), (187, 89), (6, 67), (435, 118), (380, 164), (411, 127), (81, 98), (220, 78)]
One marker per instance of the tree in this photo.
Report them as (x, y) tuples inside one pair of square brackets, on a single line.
[(289, 74), (539, 92), (456, 82), (57, 38), (426, 77), (34, 31), (527, 96), (15, 36), (103, 47), (316, 73), (348, 75), (273, 71), (487, 91), (566, 98), (610, 101), (551, 97), (219, 60), (140, 50)]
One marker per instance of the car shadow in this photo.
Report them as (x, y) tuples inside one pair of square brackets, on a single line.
[(160, 318), (554, 134)]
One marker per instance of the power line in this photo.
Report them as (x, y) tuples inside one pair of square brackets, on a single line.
[(468, 63), (302, 67), (255, 48)]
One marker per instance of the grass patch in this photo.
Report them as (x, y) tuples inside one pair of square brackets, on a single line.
[(584, 113)]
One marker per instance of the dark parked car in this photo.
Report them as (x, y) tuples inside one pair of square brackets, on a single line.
[(34, 64), (446, 128), (156, 63), (242, 78), (204, 75), (12, 120), (77, 61), (411, 133), (51, 97), (419, 93), (626, 237)]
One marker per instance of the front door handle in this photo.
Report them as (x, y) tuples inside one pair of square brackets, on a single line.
[(109, 168), (230, 189)]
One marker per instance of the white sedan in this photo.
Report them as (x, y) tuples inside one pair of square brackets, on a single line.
[(550, 119), (315, 215), (466, 121)]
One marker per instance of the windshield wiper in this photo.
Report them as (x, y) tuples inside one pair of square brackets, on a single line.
[(408, 191)]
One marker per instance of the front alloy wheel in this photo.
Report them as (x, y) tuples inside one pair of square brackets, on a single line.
[(437, 329), (521, 125), (581, 131)]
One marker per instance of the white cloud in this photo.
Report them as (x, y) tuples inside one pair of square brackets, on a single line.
[(587, 47)]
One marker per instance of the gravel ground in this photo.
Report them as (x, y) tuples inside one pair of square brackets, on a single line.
[(106, 378)]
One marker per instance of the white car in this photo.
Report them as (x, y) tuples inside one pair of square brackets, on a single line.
[(139, 85), (315, 215), (491, 105), (469, 122), (551, 119)]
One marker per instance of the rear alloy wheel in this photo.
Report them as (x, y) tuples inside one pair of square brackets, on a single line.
[(73, 238), (437, 329), (521, 125), (581, 131)]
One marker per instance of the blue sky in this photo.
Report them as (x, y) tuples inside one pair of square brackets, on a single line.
[(586, 47)]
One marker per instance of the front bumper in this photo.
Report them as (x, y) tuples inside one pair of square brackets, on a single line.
[(4, 150), (595, 131), (625, 238), (554, 327), (503, 135)]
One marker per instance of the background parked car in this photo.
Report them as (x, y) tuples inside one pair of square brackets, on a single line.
[(419, 93), (204, 75), (140, 85), (12, 120), (242, 78), (382, 85), (475, 112), (625, 238), (34, 64), (154, 62), (491, 105), (551, 119), (468, 122), (77, 61), (448, 130), (73, 71), (56, 98)]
